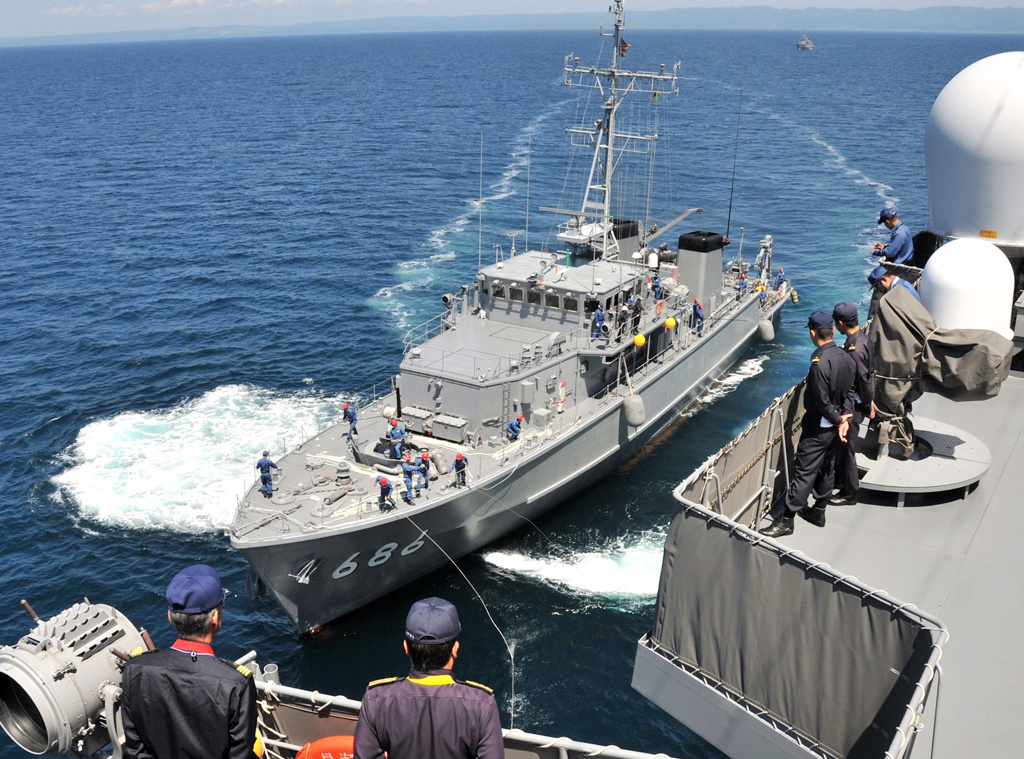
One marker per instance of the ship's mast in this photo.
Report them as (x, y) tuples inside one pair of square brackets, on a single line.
[(608, 142)]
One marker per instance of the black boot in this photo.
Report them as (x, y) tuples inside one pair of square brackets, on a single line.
[(815, 515), (780, 526)]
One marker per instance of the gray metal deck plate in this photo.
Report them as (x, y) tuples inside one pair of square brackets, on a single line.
[(957, 459), (961, 560)]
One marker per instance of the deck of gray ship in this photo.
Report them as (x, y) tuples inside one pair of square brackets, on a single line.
[(952, 554), (960, 560)]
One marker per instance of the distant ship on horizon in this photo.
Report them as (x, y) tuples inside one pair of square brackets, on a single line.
[(804, 43)]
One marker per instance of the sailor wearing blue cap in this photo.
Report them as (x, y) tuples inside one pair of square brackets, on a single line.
[(884, 280), (184, 702), (429, 713), (861, 349), (900, 248), (266, 479), (828, 405)]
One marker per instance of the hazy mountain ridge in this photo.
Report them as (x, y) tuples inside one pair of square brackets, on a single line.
[(936, 19)]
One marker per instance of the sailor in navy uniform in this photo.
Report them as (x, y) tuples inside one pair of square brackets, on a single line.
[(514, 428), (900, 248), (423, 473), (596, 330), (385, 502), (349, 416), (266, 479), (862, 350), (429, 713), (828, 405), (397, 435), (459, 467), (408, 470), (184, 702)]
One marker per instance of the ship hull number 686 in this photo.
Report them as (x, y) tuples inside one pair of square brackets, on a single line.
[(382, 555)]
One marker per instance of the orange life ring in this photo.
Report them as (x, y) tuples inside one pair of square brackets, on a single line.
[(331, 747), (660, 307)]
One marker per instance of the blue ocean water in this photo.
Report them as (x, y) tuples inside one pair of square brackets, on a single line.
[(206, 246)]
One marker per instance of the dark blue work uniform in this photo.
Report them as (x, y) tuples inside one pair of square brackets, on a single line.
[(697, 319), (861, 349), (513, 429), (397, 435), (350, 417), (428, 714), (266, 479), (595, 331), (459, 467), (385, 502), (656, 287), (900, 248), (828, 395), (185, 703), (408, 470)]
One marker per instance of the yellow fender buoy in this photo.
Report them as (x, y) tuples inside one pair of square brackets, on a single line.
[(794, 296), (639, 341), (670, 322)]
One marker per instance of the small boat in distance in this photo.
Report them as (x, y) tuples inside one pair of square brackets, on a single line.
[(804, 43)]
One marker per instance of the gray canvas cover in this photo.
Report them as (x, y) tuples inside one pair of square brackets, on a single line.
[(913, 355), (835, 663)]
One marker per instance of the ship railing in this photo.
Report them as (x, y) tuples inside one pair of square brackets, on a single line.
[(290, 717)]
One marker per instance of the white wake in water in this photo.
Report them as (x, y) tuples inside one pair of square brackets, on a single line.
[(629, 568), (727, 384), (183, 468)]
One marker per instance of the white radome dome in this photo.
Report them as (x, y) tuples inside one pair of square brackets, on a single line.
[(974, 152), (968, 284)]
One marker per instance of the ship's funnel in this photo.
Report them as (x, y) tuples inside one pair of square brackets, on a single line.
[(974, 152)]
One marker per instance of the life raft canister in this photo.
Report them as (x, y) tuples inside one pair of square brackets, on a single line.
[(331, 747)]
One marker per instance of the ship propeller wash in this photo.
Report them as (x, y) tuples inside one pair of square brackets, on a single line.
[(524, 339)]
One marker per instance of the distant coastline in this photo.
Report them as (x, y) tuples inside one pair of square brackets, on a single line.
[(944, 19)]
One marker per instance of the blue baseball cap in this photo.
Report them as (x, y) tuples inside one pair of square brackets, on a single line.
[(886, 214), (195, 590), (433, 621), (876, 274), (845, 311), (819, 320)]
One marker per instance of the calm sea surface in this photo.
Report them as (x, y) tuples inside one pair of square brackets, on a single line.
[(206, 246)]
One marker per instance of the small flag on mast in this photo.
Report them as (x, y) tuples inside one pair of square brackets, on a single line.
[(623, 47)]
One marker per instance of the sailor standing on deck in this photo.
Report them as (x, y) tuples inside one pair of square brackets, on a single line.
[(595, 330), (423, 473), (349, 416), (859, 347), (459, 467), (385, 502), (697, 317), (408, 470), (184, 702), (622, 320), (429, 714), (638, 312), (884, 280), (828, 405), (780, 279), (397, 435), (656, 287), (266, 479)]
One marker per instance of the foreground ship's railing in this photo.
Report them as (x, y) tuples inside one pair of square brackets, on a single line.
[(764, 651), (60, 695), (292, 717)]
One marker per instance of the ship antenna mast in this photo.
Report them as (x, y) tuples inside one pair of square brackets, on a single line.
[(608, 142)]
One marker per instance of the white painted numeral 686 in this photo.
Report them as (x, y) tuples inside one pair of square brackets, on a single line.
[(383, 553)]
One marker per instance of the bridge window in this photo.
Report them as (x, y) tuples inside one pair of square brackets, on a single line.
[(516, 294), (551, 300), (533, 297), (497, 291), (571, 303), (590, 305)]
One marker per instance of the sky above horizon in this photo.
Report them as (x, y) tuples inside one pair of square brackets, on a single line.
[(43, 18)]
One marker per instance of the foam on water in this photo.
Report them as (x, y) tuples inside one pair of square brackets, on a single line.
[(627, 568), (727, 384), (183, 468)]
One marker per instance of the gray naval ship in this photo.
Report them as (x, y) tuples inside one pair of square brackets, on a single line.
[(522, 340), (894, 631)]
